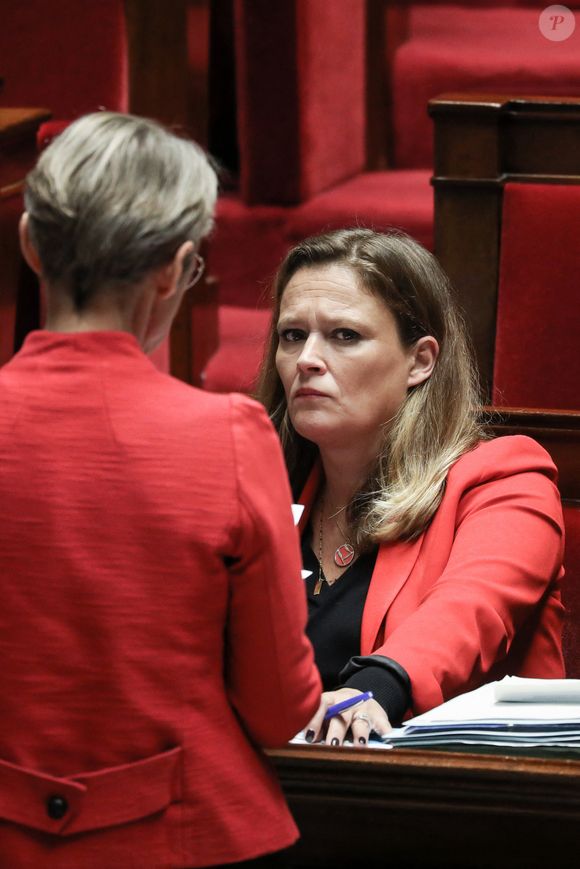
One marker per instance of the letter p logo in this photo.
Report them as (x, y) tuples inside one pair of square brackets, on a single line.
[(557, 23)]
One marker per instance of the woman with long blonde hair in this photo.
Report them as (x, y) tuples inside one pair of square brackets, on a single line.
[(435, 553)]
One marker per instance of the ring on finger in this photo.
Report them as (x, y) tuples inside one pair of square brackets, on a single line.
[(362, 716)]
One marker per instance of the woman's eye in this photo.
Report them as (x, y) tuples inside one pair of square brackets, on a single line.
[(346, 335), (291, 335)]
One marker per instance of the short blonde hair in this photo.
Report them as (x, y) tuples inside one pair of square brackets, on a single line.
[(114, 196), (438, 420)]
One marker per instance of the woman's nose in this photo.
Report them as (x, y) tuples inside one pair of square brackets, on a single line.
[(311, 357)]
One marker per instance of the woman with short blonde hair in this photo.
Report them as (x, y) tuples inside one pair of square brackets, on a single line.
[(146, 541)]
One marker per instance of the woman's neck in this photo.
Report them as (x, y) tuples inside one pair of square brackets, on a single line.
[(345, 472), (105, 313)]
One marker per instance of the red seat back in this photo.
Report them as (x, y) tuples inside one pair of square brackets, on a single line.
[(301, 96), (537, 363), (66, 56)]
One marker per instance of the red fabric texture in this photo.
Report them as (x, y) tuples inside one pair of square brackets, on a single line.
[(140, 653), (49, 131), (65, 56), (246, 248), (235, 365), (380, 200), (537, 363), (571, 592), (301, 114), (486, 50)]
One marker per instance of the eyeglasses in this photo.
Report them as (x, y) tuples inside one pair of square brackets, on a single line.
[(199, 270)]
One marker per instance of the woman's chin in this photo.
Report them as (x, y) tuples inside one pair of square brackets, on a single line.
[(319, 432)]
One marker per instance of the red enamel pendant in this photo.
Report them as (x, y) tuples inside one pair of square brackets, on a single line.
[(344, 555)]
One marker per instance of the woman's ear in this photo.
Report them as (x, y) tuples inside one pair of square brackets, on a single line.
[(28, 249), (423, 357), (171, 278)]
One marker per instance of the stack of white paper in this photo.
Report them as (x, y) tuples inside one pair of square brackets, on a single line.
[(519, 713)]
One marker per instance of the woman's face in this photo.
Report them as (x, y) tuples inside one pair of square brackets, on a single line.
[(344, 369)]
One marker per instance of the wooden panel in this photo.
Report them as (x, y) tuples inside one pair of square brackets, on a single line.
[(404, 808), (469, 252), (169, 81), (557, 431), (481, 142), (19, 298), (18, 144), (194, 334), (157, 46)]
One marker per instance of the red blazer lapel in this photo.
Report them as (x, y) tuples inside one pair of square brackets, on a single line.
[(309, 494), (394, 564)]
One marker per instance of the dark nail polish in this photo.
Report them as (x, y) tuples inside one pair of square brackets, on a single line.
[(309, 736), (362, 740), (334, 741)]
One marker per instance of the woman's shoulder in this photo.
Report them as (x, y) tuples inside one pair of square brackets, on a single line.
[(503, 457), (211, 406)]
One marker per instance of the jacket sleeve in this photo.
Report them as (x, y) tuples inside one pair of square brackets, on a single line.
[(504, 562), (271, 677)]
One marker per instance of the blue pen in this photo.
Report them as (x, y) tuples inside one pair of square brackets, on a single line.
[(346, 704)]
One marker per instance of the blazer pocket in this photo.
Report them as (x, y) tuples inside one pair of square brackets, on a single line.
[(89, 801)]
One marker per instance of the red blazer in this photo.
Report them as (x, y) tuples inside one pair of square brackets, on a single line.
[(477, 595), (151, 627)]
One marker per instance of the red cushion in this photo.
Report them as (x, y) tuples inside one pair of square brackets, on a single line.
[(48, 131), (485, 50), (66, 56), (242, 337), (246, 248), (301, 96), (537, 363), (571, 592), (381, 200)]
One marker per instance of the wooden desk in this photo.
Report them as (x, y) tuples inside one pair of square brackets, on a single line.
[(404, 809)]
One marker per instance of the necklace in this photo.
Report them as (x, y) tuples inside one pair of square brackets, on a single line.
[(343, 554)]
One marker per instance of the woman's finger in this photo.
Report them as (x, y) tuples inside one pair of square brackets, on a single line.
[(380, 720), (314, 728), (337, 729), (361, 728)]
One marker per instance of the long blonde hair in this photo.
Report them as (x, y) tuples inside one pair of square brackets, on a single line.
[(438, 420)]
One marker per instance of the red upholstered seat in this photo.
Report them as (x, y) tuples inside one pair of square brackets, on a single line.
[(571, 592), (537, 363), (235, 365), (66, 56), (466, 48), (382, 200), (246, 248)]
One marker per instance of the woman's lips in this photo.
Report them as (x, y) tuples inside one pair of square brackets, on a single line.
[(309, 393)]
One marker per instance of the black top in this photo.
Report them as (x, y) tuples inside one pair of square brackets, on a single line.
[(334, 628)]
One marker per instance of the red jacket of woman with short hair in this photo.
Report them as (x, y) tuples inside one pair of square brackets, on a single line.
[(151, 627)]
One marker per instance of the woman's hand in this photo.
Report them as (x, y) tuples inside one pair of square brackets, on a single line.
[(360, 720)]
